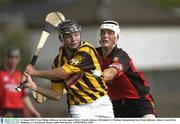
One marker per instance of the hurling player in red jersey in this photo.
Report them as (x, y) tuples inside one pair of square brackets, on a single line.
[(12, 103), (128, 90)]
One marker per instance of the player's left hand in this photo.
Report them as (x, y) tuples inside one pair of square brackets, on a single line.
[(37, 114), (29, 82), (30, 70)]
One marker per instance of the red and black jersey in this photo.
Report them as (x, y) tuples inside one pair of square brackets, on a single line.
[(129, 84), (9, 97)]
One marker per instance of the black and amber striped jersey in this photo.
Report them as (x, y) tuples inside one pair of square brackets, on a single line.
[(82, 87)]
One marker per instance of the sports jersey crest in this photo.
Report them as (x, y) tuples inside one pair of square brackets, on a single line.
[(76, 60)]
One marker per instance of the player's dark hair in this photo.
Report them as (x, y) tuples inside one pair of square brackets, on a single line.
[(10, 49)]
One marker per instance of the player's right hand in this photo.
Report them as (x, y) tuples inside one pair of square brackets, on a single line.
[(29, 82), (30, 70)]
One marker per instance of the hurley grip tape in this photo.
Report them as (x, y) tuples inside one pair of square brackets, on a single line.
[(34, 59)]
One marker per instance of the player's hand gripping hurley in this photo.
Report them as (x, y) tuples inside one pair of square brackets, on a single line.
[(52, 20)]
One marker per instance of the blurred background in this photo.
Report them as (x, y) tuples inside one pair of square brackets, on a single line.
[(150, 34)]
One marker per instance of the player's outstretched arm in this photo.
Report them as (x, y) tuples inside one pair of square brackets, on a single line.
[(50, 93), (109, 74), (115, 70), (54, 74), (30, 106)]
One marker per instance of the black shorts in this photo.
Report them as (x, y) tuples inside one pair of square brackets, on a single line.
[(134, 108), (13, 113)]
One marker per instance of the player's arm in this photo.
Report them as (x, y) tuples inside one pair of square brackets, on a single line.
[(109, 73), (53, 74), (48, 92), (80, 63), (120, 64), (30, 106)]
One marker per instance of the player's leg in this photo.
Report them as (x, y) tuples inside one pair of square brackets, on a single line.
[(149, 116)]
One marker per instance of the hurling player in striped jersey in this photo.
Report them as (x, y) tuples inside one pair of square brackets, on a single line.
[(72, 70)]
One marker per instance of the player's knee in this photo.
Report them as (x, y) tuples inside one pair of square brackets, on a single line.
[(149, 116)]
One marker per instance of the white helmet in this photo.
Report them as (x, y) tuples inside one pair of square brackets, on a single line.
[(111, 25)]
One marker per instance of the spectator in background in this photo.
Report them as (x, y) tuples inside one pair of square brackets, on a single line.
[(12, 103)]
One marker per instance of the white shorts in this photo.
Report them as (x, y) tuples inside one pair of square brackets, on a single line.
[(100, 108)]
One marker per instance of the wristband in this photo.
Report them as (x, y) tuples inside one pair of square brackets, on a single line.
[(118, 67)]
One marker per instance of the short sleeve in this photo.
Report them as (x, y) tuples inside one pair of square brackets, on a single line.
[(57, 86), (122, 59)]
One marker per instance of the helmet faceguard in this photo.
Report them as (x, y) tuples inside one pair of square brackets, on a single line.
[(111, 25)]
